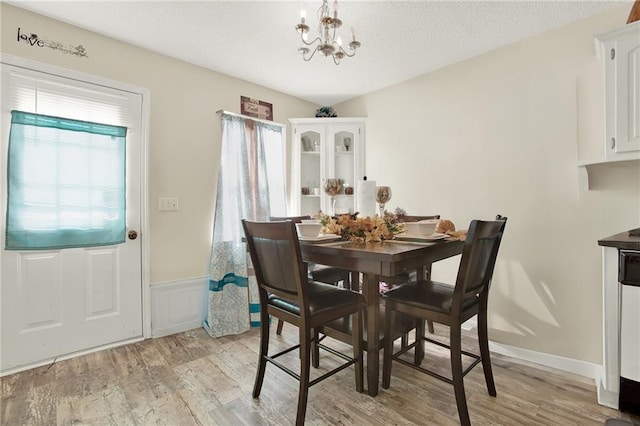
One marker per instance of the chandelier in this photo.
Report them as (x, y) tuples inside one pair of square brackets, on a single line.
[(327, 42)]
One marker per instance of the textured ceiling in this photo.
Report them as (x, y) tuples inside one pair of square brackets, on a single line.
[(256, 41)]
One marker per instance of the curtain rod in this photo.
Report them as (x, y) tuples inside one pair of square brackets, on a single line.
[(273, 123)]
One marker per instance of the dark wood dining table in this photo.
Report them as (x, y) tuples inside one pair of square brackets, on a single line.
[(373, 260)]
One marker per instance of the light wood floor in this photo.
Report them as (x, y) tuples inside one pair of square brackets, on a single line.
[(191, 379)]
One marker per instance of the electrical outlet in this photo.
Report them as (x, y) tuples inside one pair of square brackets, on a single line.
[(167, 204)]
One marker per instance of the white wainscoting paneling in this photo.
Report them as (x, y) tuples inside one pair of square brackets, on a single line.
[(178, 306)]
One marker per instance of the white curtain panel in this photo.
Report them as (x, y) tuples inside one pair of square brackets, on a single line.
[(247, 189)]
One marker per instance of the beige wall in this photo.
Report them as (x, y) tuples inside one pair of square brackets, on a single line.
[(185, 129), (501, 133)]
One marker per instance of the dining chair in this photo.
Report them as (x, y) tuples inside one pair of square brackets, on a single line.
[(287, 293), (321, 273), (451, 306)]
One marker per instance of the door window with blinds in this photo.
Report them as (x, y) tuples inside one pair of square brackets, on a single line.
[(66, 177)]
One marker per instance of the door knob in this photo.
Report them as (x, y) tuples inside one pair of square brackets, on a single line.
[(133, 235)]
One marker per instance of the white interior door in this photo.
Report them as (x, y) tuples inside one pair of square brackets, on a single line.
[(57, 302)]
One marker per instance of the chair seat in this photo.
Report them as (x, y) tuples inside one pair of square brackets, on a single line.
[(344, 327), (401, 278), (323, 298), (328, 274), (430, 295)]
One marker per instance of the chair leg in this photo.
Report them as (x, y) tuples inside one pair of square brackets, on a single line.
[(347, 282), (404, 340), (315, 349), (305, 351), (483, 340), (388, 347), (456, 371), (419, 349), (357, 349), (264, 351), (279, 329), (354, 281)]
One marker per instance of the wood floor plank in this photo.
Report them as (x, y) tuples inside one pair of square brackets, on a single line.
[(191, 379)]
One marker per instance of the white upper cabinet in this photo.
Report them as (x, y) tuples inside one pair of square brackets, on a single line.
[(620, 51), (324, 148)]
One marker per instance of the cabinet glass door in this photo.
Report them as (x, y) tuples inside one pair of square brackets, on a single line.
[(310, 178), (342, 146)]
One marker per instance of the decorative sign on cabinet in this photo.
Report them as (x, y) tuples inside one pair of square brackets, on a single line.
[(324, 148)]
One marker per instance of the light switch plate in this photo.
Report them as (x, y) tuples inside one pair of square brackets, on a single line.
[(167, 204)]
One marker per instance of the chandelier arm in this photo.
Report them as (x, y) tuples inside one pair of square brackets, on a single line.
[(347, 53), (309, 43), (309, 58)]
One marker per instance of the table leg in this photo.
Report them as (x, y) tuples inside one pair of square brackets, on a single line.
[(355, 280), (371, 292)]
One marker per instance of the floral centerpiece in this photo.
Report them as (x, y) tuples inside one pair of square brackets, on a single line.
[(362, 229)]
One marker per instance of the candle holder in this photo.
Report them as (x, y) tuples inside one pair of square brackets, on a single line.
[(332, 188), (383, 195)]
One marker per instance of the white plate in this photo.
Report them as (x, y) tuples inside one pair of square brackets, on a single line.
[(327, 237), (432, 237)]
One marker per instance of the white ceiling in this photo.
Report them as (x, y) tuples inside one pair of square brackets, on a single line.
[(256, 40)]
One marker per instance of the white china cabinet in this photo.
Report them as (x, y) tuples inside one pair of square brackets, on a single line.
[(324, 148)]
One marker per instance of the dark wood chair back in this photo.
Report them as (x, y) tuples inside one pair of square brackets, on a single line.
[(478, 261), (277, 260), (319, 273)]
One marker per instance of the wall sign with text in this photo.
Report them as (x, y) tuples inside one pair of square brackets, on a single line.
[(256, 108), (33, 40)]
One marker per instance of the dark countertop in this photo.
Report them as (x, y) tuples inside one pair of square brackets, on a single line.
[(621, 241)]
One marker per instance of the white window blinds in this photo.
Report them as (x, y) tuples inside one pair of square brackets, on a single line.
[(66, 184)]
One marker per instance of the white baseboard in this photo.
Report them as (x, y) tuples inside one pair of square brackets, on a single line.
[(582, 368), (178, 306)]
